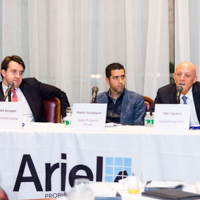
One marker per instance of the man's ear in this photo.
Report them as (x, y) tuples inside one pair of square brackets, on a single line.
[(195, 79), (3, 71), (107, 81)]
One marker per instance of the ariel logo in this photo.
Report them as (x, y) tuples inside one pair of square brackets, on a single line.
[(117, 168)]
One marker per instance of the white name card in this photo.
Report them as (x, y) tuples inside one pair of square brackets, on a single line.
[(11, 114), (172, 118), (88, 117)]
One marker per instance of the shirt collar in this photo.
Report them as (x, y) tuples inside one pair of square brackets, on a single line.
[(112, 97), (189, 94), (5, 87)]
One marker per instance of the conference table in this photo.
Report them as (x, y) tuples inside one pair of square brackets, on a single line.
[(41, 160), (126, 196)]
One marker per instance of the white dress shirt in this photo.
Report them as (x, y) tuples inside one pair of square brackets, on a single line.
[(28, 115), (190, 101)]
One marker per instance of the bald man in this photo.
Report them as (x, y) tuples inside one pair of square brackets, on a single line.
[(185, 76)]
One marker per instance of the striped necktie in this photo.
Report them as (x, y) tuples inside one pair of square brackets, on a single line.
[(14, 97)]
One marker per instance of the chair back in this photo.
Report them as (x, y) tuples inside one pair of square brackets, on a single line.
[(148, 102), (52, 109)]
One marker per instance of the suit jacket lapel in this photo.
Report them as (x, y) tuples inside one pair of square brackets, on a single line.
[(196, 96), (1, 92), (173, 95), (124, 107), (26, 90)]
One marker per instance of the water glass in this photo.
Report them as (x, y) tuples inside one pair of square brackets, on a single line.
[(81, 190), (69, 110)]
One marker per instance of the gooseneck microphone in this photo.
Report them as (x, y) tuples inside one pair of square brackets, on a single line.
[(8, 91), (179, 89), (95, 90)]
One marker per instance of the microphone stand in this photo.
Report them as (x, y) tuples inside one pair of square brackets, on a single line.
[(9, 96), (94, 100)]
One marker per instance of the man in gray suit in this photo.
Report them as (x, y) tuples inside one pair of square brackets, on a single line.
[(123, 106)]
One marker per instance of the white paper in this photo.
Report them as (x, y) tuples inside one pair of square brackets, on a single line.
[(102, 189), (171, 118), (164, 184), (112, 124), (88, 117)]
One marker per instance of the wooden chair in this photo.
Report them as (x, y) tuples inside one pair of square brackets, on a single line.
[(52, 109), (148, 102)]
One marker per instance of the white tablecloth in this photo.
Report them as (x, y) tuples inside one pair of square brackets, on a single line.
[(44, 148)]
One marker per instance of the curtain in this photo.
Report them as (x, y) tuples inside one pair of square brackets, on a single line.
[(187, 25), (69, 43)]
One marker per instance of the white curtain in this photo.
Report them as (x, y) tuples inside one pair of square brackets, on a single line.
[(187, 32), (69, 43)]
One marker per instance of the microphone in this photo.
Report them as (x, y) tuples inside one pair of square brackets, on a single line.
[(95, 90), (179, 89), (8, 91)]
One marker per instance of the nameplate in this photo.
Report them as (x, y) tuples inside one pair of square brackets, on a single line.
[(171, 118), (11, 115), (88, 117)]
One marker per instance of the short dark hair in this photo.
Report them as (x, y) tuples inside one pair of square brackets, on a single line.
[(111, 67), (7, 59)]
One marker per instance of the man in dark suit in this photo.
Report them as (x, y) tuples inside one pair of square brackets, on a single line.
[(28, 90), (185, 76), (123, 106)]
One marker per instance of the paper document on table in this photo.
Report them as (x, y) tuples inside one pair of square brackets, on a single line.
[(164, 184), (102, 189), (112, 124)]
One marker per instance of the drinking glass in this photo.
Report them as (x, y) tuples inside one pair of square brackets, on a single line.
[(81, 181), (69, 110), (133, 184), (81, 190)]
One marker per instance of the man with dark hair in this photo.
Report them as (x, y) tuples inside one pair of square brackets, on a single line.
[(123, 106), (28, 90)]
